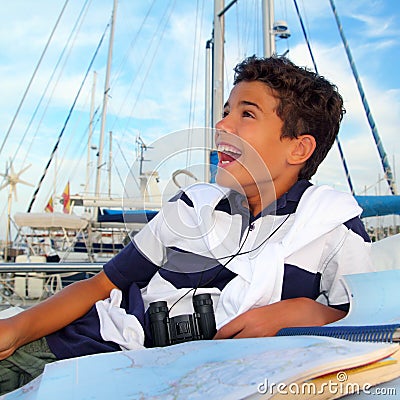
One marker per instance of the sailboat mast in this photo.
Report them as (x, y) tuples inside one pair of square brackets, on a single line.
[(89, 145), (109, 164), (268, 23), (208, 132), (218, 62), (218, 50), (105, 100), (217, 82)]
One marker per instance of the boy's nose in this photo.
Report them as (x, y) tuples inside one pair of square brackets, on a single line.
[(223, 124), (218, 125)]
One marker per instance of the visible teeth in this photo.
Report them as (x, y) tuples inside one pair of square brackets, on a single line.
[(225, 162), (226, 148)]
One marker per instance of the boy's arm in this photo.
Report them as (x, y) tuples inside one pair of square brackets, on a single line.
[(268, 320), (52, 314)]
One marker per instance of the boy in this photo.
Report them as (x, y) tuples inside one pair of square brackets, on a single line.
[(265, 243)]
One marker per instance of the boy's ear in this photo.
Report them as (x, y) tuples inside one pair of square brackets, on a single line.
[(301, 149)]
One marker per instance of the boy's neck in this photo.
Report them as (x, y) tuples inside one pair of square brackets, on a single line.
[(259, 201)]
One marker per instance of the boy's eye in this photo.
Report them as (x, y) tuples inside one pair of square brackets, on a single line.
[(247, 114), (225, 113)]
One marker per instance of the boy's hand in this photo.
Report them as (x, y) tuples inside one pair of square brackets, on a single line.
[(268, 320)]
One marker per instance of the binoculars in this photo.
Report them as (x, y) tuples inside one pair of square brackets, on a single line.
[(182, 328)]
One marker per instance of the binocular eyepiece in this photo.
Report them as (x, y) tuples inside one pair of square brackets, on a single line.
[(182, 328)]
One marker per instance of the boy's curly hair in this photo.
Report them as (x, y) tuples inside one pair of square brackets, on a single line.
[(308, 103)]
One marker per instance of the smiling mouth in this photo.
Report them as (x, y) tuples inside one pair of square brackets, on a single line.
[(228, 154)]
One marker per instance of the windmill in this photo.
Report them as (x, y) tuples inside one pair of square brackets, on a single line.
[(11, 180)]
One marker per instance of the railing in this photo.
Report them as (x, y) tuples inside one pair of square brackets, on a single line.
[(25, 284), (54, 268)]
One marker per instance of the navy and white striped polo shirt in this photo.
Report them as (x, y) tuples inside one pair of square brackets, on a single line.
[(187, 248)]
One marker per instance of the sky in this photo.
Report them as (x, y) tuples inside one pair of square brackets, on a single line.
[(157, 85)]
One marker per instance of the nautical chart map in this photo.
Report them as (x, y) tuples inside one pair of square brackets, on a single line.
[(223, 369)]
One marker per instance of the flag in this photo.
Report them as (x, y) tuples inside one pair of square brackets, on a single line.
[(66, 200), (49, 207)]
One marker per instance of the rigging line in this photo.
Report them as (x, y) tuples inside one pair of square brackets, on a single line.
[(247, 30), (66, 121), (32, 77), (237, 30), (193, 87), (195, 65), (153, 56), (95, 124), (199, 48), (305, 36), (78, 154), (242, 35), (58, 169), (155, 35), (72, 171), (58, 166), (129, 167), (44, 92), (131, 46), (257, 42), (118, 173), (378, 142), (284, 6), (254, 27), (344, 163), (227, 75)]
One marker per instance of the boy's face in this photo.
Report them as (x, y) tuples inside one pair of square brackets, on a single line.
[(252, 155)]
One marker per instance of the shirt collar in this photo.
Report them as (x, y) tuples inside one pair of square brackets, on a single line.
[(287, 203)]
